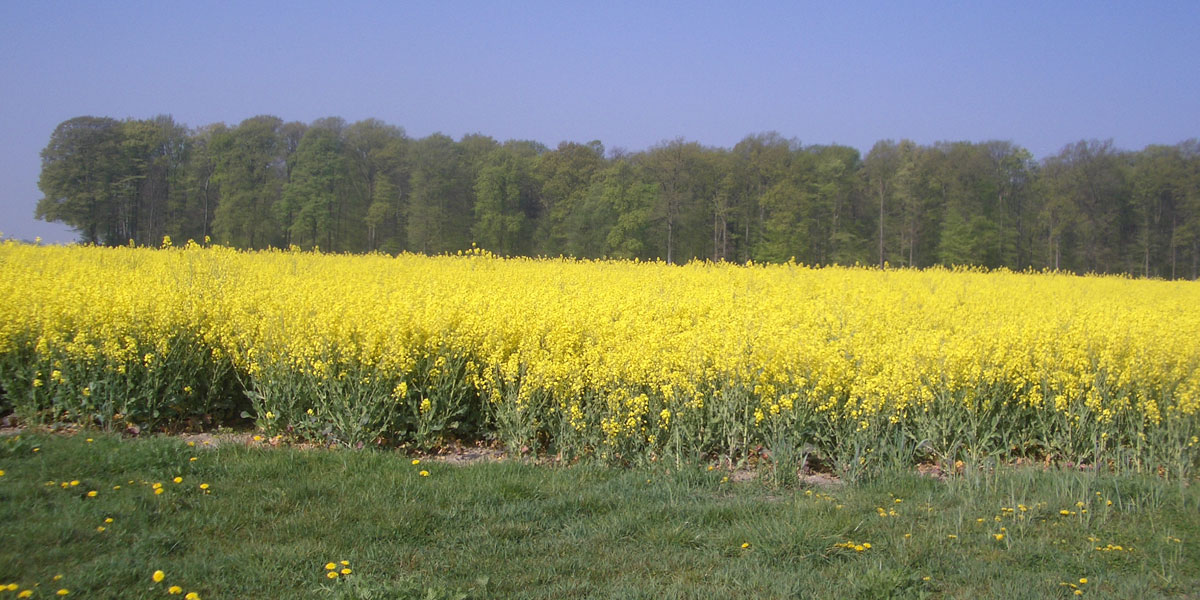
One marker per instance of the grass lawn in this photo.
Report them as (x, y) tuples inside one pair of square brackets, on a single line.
[(272, 518)]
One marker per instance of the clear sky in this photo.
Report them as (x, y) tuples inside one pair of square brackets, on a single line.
[(631, 74)]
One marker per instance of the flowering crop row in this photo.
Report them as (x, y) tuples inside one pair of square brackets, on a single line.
[(618, 360)]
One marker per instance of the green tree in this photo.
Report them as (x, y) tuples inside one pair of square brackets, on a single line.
[(81, 171), (251, 163)]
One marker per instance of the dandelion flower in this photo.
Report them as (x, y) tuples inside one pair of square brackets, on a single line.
[(192, 596), (1083, 580), (998, 536), (346, 571), (63, 592), (93, 494), (330, 566), (57, 577), (25, 594), (178, 480), (116, 487), (191, 443), (74, 483), (416, 461), (192, 459), (424, 473), (745, 545), (158, 491), (1, 472), (204, 486), (174, 590), (100, 529), (345, 563), (108, 520), (332, 574), (158, 576), (89, 440)]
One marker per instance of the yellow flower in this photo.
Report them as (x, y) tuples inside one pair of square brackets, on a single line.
[(745, 545), (89, 440), (100, 529), (108, 520), (330, 566), (192, 459), (25, 594), (174, 590), (158, 491), (74, 483), (204, 486), (1078, 592), (192, 596), (57, 577), (158, 576), (345, 563), (178, 480), (332, 574), (424, 473), (93, 494), (258, 438), (1083, 580), (346, 571), (998, 536), (63, 592), (416, 461)]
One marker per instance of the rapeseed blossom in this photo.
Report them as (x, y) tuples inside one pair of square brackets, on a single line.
[(604, 358)]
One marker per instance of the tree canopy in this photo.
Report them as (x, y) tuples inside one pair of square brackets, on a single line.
[(367, 186)]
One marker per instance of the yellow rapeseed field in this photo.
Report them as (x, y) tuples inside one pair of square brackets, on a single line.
[(612, 359)]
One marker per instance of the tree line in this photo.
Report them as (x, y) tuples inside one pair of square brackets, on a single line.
[(367, 186)]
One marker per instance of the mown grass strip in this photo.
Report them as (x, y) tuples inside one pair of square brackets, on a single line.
[(272, 519)]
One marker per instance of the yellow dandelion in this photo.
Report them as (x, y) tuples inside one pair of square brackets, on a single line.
[(74, 483), (116, 487), (1078, 592), (204, 486), (158, 576), (330, 566), (1, 472), (158, 491), (100, 529), (89, 440), (1083, 580), (57, 577), (346, 571), (332, 574), (178, 480), (192, 596), (745, 545), (191, 443), (93, 494), (192, 459), (62, 592), (345, 563), (174, 590), (416, 461), (424, 473), (25, 594), (998, 536)]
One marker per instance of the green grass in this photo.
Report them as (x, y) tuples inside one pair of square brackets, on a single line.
[(274, 517)]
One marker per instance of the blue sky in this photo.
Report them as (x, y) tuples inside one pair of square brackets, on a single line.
[(631, 74)]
